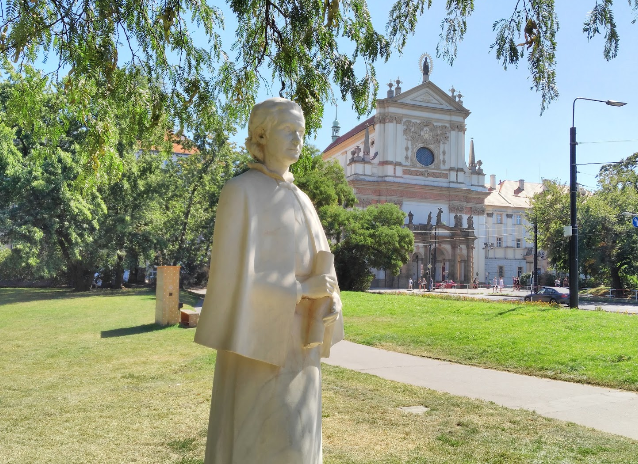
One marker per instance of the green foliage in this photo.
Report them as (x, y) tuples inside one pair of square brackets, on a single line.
[(64, 222), (187, 207), (607, 242), (550, 210), (324, 182), (368, 238), (146, 56), (361, 239), (536, 21)]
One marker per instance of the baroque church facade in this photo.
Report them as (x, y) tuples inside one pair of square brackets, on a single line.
[(412, 153)]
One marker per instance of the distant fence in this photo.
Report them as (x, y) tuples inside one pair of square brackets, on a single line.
[(626, 293)]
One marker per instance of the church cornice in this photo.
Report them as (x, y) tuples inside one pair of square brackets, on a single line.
[(383, 104), (385, 190)]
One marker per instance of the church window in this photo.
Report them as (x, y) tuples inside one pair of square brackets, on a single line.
[(518, 219), (499, 218), (518, 243), (499, 242), (425, 156)]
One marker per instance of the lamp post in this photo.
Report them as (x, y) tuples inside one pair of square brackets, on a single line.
[(573, 186), (434, 278)]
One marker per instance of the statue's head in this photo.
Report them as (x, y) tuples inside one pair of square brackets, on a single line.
[(268, 116)]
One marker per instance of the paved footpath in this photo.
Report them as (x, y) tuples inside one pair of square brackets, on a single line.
[(613, 411)]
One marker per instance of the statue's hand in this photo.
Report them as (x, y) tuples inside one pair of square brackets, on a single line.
[(318, 286)]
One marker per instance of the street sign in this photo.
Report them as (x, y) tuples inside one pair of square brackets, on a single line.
[(634, 221)]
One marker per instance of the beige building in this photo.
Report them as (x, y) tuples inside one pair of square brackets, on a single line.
[(412, 153), (507, 244)]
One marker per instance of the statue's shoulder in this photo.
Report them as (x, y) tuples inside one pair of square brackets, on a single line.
[(246, 181)]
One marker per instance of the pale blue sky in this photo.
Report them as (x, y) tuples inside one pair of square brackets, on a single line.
[(511, 137)]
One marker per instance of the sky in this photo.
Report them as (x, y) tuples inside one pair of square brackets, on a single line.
[(511, 137)]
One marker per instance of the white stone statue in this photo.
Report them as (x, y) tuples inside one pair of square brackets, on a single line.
[(272, 307)]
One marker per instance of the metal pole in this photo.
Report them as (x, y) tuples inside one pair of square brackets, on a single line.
[(535, 272), (434, 278), (573, 244)]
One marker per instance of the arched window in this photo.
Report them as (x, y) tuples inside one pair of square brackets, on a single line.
[(425, 156)]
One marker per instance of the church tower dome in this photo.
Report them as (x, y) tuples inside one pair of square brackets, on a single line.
[(335, 127)]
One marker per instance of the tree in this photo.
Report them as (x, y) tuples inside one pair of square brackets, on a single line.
[(364, 239), (607, 244), (109, 47), (550, 212), (618, 194), (361, 239), (529, 29), (324, 182), (191, 186)]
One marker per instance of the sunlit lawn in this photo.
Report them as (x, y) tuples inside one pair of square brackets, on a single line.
[(88, 378), (550, 341)]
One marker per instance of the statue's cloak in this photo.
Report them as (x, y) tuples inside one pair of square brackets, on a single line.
[(252, 289)]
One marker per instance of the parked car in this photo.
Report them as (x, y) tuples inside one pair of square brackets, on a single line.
[(558, 295), (445, 284)]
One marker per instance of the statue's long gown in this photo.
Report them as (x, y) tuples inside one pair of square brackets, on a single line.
[(263, 414)]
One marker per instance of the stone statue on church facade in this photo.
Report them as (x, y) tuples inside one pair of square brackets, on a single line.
[(272, 307), (470, 222), (438, 216)]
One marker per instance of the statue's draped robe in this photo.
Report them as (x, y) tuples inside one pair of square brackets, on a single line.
[(266, 404)]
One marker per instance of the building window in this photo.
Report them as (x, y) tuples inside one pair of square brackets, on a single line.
[(519, 272), (499, 218), (499, 242), (501, 271), (518, 219), (425, 156), (518, 243)]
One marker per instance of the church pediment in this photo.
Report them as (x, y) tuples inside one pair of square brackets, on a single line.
[(426, 98), (428, 95)]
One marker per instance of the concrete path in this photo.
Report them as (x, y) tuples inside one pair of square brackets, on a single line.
[(613, 411)]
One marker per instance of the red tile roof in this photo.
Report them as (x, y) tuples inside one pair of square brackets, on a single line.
[(351, 133)]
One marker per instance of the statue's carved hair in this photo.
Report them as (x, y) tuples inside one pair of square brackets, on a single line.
[(263, 116)]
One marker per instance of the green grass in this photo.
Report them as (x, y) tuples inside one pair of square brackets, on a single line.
[(549, 341), (88, 378)]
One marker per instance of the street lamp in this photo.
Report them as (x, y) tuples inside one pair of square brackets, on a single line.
[(573, 244)]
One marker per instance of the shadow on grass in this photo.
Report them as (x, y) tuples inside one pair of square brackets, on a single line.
[(140, 329), (511, 310), (26, 295)]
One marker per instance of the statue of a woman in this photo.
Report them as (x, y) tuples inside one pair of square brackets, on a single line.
[(272, 307)]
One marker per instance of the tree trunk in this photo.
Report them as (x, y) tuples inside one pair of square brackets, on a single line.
[(132, 276), (616, 284), (118, 271), (80, 277)]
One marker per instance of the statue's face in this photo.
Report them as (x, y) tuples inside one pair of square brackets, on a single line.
[(285, 138)]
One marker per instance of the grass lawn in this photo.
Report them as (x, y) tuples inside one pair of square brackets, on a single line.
[(548, 341), (87, 378)]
